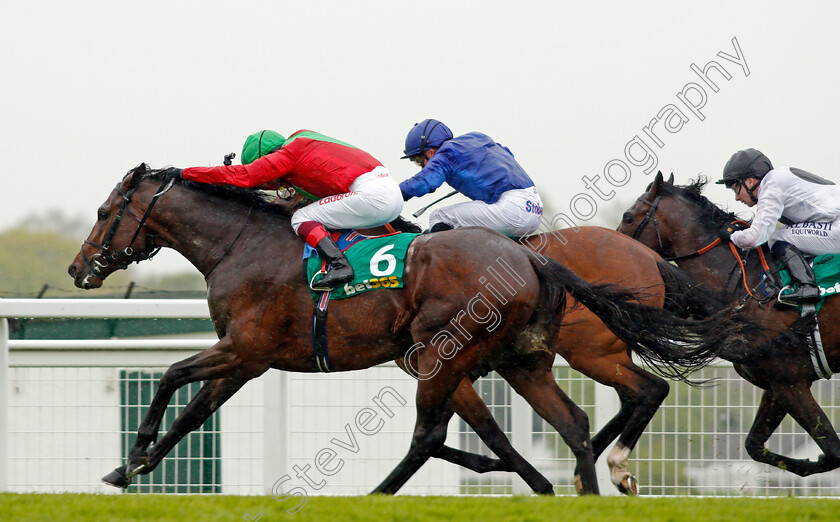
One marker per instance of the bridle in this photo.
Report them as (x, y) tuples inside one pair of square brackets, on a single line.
[(122, 258), (651, 216)]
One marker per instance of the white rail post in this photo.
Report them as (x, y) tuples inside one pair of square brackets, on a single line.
[(5, 390), (521, 435), (276, 428)]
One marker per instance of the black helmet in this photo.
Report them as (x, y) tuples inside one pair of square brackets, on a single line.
[(749, 163)]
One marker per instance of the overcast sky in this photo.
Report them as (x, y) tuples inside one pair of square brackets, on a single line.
[(92, 88)]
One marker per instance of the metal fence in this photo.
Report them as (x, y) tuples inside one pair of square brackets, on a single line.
[(69, 410)]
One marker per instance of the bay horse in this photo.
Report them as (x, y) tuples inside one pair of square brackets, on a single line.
[(605, 256), (682, 224), (261, 309), (597, 255)]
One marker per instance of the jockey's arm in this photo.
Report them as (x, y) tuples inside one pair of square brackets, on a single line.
[(266, 172), (427, 180)]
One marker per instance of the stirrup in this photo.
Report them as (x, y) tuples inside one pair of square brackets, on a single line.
[(339, 281), (312, 281), (788, 301)]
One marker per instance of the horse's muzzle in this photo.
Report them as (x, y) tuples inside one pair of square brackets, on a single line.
[(83, 278)]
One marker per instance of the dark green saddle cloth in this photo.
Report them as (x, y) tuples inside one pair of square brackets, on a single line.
[(826, 269), (378, 262)]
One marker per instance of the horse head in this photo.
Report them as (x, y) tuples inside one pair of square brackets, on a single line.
[(673, 219), (120, 235), (648, 221)]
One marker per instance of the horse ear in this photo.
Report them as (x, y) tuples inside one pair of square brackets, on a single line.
[(656, 186), (670, 180), (135, 175)]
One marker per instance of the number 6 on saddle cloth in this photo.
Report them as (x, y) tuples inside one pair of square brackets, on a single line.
[(377, 261)]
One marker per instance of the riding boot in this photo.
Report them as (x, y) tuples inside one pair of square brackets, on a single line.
[(440, 227), (800, 271), (340, 271)]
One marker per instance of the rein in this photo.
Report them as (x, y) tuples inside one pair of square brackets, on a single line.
[(105, 256)]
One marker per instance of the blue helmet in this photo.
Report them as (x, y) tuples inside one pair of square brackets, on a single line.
[(425, 135)]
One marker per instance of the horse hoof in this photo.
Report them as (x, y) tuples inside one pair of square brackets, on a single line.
[(628, 485), (578, 485), (117, 478)]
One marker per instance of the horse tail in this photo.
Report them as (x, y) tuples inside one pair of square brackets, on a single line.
[(673, 347), (684, 296), (792, 341), (687, 298)]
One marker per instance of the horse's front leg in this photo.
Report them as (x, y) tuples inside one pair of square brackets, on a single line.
[(767, 418), (208, 399), (800, 404), (641, 395), (206, 365)]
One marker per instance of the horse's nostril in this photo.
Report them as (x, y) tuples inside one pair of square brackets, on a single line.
[(72, 270)]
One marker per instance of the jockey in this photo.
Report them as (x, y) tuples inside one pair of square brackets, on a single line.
[(504, 197), (352, 188), (807, 205)]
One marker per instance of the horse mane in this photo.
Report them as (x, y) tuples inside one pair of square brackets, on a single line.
[(255, 198), (710, 213), (403, 225), (250, 198)]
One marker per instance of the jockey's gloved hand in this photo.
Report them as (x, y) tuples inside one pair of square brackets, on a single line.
[(726, 230), (173, 172)]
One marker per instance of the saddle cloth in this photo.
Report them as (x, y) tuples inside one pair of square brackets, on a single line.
[(378, 261), (827, 271)]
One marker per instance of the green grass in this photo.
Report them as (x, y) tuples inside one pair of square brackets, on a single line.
[(72, 507)]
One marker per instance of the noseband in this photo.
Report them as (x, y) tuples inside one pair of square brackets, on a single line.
[(125, 257), (651, 213)]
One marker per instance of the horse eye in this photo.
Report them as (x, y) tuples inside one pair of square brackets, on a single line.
[(628, 218), (102, 215)]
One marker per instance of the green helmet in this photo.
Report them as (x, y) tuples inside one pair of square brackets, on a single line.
[(259, 144)]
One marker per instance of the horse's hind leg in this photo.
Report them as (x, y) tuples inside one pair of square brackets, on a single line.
[(209, 398), (468, 404), (538, 387), (429, 428), (433, 399), (470, 407), (799, 403), (471, 461)]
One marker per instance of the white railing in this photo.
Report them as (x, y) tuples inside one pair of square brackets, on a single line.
[(88, 353), (298, 418), (124, 353)]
